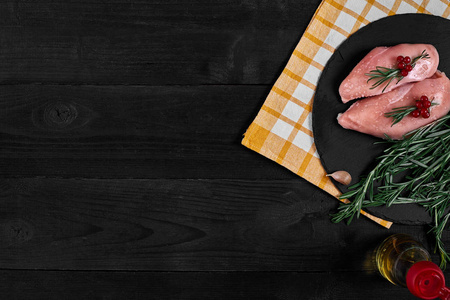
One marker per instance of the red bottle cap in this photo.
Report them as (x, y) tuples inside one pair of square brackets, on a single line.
[(426, 281)]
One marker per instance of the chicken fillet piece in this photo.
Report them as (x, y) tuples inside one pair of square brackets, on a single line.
[(355, 85), (367, 115)]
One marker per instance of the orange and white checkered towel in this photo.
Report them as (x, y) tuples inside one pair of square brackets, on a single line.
[(282, 130)]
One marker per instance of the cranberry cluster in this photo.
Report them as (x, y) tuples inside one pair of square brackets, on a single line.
[(403, 63), (423, 108)]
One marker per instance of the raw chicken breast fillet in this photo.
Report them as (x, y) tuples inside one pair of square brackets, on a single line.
[(367, 115), (355, 85)]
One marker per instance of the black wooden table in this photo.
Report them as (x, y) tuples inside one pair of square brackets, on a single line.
[(122, 172)]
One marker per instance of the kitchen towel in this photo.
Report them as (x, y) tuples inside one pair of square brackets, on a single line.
[(282, 130)]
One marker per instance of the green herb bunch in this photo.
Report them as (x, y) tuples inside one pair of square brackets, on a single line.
[(423, 158)]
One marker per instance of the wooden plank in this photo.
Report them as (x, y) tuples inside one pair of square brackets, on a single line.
[(197, 285), (149, 42), (153, 14), (130, 132), (184, 225)]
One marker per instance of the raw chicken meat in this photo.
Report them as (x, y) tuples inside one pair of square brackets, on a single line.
[(355, 85), (367, 115)]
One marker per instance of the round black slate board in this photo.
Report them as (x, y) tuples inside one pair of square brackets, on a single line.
[(342, 149)]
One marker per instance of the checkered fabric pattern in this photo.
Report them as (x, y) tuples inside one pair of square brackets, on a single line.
[(282, 130)]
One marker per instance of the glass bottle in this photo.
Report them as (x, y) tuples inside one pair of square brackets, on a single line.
[(405, 262)]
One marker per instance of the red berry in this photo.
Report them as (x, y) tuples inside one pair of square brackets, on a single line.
[(416, 113), (400, 58), (407, 59), (404, 73), (424, 98), (401, 65), (419, 104), (426, 104), (408, 68), (425, 113)]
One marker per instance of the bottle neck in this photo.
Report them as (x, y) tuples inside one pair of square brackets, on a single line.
[(444, 294)]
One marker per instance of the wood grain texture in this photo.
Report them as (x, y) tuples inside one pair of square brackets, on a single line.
[(198, 285), (184, 225), (121, 170), (149, 42), (130, 132)]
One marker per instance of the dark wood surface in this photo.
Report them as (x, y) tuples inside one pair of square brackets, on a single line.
[(122, 173)]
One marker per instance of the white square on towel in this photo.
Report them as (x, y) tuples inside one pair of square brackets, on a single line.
[(312, 74), (356, 5), (388, 3), (316, 154), (322, 56), (303, 141), (334, 38), (308, 122), (282, 129), (345, 21), (406, 8), (292, 111), (436, 7), (303, 93), (374, 14)]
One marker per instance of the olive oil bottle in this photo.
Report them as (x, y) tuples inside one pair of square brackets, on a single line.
[(405, 262), (396, 255)]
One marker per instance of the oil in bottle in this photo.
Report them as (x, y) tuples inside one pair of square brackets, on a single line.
[(396, 255)]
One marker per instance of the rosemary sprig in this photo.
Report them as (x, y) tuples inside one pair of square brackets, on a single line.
[(383, 75), (398, 113), (423, 160), (423, 55)]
